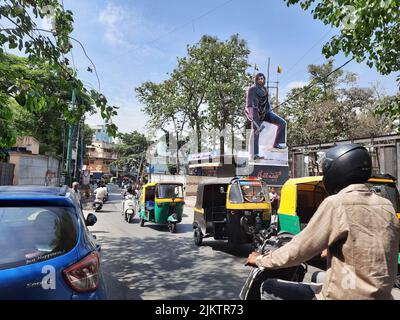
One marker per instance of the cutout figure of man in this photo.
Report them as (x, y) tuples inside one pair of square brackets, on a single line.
[(258, 110)]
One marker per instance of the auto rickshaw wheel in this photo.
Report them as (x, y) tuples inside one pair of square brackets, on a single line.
[(141, 222), (198, 237), (172, 227)]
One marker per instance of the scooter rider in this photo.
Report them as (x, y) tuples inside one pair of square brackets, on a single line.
[(100, 193), (128, 196), (359, 228)]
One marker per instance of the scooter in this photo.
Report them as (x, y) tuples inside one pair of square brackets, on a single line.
[(97, 205), (129, 208), (266, 241)]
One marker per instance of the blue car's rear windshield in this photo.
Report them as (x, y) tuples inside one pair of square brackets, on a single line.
[(35, 234)]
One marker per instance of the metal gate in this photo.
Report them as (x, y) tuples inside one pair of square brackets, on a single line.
[(6, 173)]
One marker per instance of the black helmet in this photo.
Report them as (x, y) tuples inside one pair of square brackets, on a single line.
[(344, 165)]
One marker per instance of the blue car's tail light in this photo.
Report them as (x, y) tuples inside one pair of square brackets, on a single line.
[(83, 276)]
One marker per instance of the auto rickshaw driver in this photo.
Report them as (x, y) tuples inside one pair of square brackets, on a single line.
[(253, 193)]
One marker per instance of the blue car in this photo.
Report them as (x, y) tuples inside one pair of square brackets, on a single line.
[(46, 249)]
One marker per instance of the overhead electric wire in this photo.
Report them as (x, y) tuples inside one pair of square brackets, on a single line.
[(173, 30), (313, 84), (72, 55), (85, 53), (305, 54), (27, 32)]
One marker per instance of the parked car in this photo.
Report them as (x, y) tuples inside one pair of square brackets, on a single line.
[(47, 251)]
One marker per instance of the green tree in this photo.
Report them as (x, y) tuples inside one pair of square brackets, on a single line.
[(41, 112), (194, 75), (23, 78), (88, 134), (367, 123), (370, 31), (131, 151), (225, 94), (333, 109), (165, 107), (7, 135)]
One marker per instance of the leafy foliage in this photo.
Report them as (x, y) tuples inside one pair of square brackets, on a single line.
[(370, 31), (206, 89), (43, 79), (131, 150), (333, 111)]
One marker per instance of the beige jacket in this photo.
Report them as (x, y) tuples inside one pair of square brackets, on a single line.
[(361, 231)]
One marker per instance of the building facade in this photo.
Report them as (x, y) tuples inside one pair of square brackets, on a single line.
[(100, 154)]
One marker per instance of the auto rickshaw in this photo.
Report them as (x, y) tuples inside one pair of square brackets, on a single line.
[(162, 203), (231, 209), (301, 197)]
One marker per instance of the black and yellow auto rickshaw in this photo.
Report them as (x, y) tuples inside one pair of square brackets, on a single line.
[(301, 197), (232, 210)]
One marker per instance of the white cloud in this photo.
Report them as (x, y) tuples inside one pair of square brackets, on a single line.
[(112, 17), (296, 84), (125, 26)]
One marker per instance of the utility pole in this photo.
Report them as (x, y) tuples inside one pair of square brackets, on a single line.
[(78, 137), (82, 146), (149, 168), (276, 85), (69, 143), (277, 92)]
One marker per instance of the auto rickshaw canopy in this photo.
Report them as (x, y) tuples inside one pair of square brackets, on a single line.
[(301, 197), (162, 192), (233, 194)]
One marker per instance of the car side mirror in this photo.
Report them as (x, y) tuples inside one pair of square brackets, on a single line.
[(91, 220), (222, 190)]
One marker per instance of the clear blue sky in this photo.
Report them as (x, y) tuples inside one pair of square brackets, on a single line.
[(135, 41)]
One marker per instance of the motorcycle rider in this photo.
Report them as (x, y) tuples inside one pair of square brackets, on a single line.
[(100, 193), (359, 228)]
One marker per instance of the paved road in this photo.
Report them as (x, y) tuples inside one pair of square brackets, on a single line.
[(151, 263)]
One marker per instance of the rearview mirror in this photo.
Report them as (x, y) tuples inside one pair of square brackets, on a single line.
[(222, 190), (91, 220)]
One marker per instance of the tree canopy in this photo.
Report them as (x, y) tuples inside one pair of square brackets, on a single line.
[(369, 31), (333, 110), (43, 79), (131, 151), (206, 89)]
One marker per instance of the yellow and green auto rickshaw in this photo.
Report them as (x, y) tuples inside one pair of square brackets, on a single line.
[(231, 209), (162, 203), (301, 197)]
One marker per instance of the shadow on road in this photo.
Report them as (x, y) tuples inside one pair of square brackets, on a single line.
[(180, 227), (158, 268), (240, 251), (107, 211)]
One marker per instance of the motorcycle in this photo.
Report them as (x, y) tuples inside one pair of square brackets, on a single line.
[(266, 241), (129, 208), (97, 205)]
